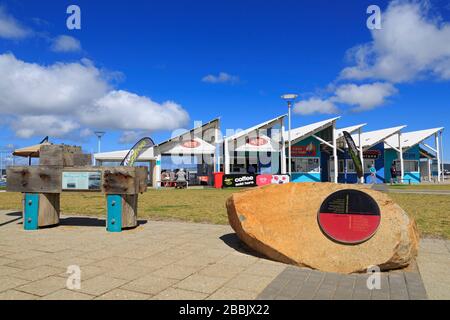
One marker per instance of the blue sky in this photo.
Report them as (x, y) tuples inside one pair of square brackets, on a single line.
[(165, 51)]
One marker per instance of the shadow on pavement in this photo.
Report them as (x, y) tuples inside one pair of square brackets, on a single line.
[(88, 222), (17, 214), (232, 240)]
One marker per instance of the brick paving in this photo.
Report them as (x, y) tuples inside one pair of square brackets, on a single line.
[(305, 284), (175, 260), (157, 260)]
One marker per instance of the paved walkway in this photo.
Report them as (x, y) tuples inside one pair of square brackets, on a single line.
[(413, 191), (434, 266), (170, 260), (302, 283)]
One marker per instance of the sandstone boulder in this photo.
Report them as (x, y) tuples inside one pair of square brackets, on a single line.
[(280, 221)]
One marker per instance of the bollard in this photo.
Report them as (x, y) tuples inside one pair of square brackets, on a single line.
[(31, 211), (114, 213)]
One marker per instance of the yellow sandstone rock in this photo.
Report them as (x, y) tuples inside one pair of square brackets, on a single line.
[(280, 221)]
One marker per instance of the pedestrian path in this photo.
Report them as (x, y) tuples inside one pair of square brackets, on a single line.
[(177, 260)]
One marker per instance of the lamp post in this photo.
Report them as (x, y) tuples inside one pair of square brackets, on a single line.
[(289, 98), (99, 135)]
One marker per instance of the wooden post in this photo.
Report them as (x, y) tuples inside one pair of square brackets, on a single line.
[(49, 209), (121, 212), (40, 210), (129, 210)]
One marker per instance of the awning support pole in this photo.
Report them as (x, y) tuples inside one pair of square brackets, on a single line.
[(429, 147), (361, 153), (400, 145), (335, 162), (283, 148), (438, 156), (226, 155), (442, 157), (326, 142), (429, 169)]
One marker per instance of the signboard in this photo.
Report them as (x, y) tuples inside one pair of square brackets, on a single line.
[(248, 180), (239, 180), (139, 148), (349, 216), (190, 144), (371, 154), (304, 151), (257, 142), (280, 179), (82, 181)]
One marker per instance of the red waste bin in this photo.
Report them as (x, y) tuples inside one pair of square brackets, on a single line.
[(218, 180)]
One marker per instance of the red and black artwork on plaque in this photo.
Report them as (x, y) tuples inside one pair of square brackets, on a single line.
[(349, 216)]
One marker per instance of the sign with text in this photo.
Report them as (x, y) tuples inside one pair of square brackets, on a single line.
[(239, 180), (304, 151), (371, 154), (248, 180), (349, 216), (82, 181)]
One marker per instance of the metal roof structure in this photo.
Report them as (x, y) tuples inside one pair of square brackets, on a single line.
[(208, 124), (120, 155), (263, 125), (410, 139), (371, 138), (304, 132), (351, 129), (151, 153)]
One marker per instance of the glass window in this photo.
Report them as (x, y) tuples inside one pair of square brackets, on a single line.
[(368, 163), (341, 166), (350, 166), (306, 165), (409, 165)]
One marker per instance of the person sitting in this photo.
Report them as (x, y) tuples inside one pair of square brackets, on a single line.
[(180, 179), (165, 178)]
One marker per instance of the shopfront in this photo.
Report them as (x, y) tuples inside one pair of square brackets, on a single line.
[(193, 151), (306, 161), (374, 168), (312, 147), (417, 162), (257, 150)]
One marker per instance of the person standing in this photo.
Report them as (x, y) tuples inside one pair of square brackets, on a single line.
[(393, 173)]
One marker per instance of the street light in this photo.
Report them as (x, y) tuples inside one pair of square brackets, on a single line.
[(99, 135), (289, 98)]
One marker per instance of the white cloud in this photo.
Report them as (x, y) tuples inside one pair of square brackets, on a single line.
[(411, 45), (65, 43), (315, 105), (130, 137), (364, 97), (10, 28), (58, 99), (127, 111), (48, 125), (29, 88), (222, 77)]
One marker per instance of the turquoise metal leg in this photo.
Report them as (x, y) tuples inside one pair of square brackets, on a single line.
[(114, 213), (31, 211)]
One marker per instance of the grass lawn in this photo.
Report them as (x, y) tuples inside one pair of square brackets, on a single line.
[(432, 212), (436, 187), (194, 205)]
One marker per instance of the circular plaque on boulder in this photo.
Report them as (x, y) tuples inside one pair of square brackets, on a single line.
[(349, 216)]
